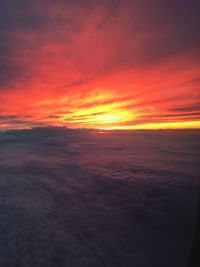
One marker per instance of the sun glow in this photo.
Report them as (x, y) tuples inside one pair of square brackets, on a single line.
[(101, 118), (109, 118), (97, 110), (158, 126)]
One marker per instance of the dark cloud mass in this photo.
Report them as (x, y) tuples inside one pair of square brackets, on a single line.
[(83, 198)]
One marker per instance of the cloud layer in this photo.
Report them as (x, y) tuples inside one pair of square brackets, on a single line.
[(88, 198)]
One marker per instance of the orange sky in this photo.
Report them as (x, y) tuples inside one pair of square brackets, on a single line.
[(99, 64)]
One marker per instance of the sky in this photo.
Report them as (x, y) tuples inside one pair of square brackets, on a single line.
[(123, 64)]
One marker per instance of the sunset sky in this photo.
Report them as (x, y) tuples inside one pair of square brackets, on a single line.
[(126, 64)]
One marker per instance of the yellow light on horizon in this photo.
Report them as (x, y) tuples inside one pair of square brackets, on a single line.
[(158, 126)]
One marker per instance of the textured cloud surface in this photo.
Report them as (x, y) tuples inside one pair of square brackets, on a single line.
[(81, 198), (113, 63)]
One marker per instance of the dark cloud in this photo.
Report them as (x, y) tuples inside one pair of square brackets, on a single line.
[(190, 108), (13, 70), (194, 81), (167, 29), (19, 121), (12, 117), (8, 117), (12, 74)]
